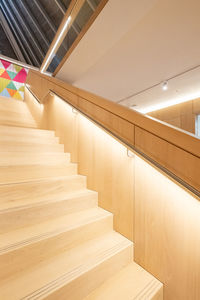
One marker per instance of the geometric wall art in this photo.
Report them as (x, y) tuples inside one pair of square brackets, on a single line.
[(12, 79)]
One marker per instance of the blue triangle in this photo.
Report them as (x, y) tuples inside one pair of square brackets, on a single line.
[(5, 93)]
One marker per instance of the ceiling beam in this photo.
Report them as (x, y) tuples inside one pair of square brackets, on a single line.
[(30, 56), (91, 5), (11, 37), (34, 21), (72, 12), (26, 27), (45, 15)]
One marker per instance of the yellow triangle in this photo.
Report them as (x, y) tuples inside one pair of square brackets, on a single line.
[(17, 96), (1, 71), (3, 83)]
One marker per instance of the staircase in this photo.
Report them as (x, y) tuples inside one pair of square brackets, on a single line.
[(56, 243)]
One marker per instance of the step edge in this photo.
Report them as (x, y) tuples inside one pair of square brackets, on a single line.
[(48, 201), (53, 233), (78, 271), (47, 179)]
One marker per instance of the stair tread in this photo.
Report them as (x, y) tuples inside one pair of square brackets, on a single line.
[(24, 147), (52, 273), (41, 189), (43, 158), (31, 234), (8, 174), (15, 129), (8, 206), (132, 282), (28, 140)]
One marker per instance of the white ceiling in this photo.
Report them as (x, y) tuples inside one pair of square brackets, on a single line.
[(135, 44)]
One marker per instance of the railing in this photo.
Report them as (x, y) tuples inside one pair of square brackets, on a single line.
[(174, 151)]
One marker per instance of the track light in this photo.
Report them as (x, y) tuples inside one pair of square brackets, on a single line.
[(165, 86)]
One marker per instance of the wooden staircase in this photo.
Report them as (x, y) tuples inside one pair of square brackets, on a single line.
[(55, 242)]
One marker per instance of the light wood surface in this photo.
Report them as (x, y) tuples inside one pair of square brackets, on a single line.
[(70, 269), (55, 242), (178, 160), (161, 217), (123, 286), (8, 174), (86, 143), (15, 113), (122, 122), (180, 115), (167, 239)]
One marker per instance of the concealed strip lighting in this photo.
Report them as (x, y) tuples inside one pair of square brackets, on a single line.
[(169, 103), (56, 43)]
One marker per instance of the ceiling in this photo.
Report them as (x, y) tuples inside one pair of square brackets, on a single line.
[(136, 44)]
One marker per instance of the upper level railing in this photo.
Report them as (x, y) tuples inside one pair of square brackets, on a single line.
[(81, 12), (172, 150)]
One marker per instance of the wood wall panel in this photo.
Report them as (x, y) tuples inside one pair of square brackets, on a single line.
[(110, 121), (35, 108), (167, 239), (96, 154), (168, 133), (121, 121), (160, 217), (173, 158), (181, 115)]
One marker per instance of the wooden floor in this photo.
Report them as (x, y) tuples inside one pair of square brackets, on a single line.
[(55, 242)]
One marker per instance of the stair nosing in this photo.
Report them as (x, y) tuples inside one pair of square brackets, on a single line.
[(52, 233), (72, 195), (78, 271), (44, 179)]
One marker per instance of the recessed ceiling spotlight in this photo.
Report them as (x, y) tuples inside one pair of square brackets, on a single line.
[(165, 86)]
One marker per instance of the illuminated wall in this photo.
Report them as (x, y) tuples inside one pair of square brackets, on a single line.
[(159, 215), (12, 79)]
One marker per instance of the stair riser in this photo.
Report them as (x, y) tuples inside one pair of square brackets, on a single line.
[(13, 105), (16, 219), (90, 280), (32, 148), (28, 255), (23, 173), (17, 122), (25, 158), (41, 190), (25, 132), (17, 140), (19, 115)]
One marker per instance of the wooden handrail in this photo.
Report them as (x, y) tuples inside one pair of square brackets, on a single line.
[(173, 149)]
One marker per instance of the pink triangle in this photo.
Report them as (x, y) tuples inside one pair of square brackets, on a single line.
[(21, 76), (6, 64)]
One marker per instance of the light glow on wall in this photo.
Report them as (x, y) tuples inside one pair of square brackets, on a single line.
[(169, 103)]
